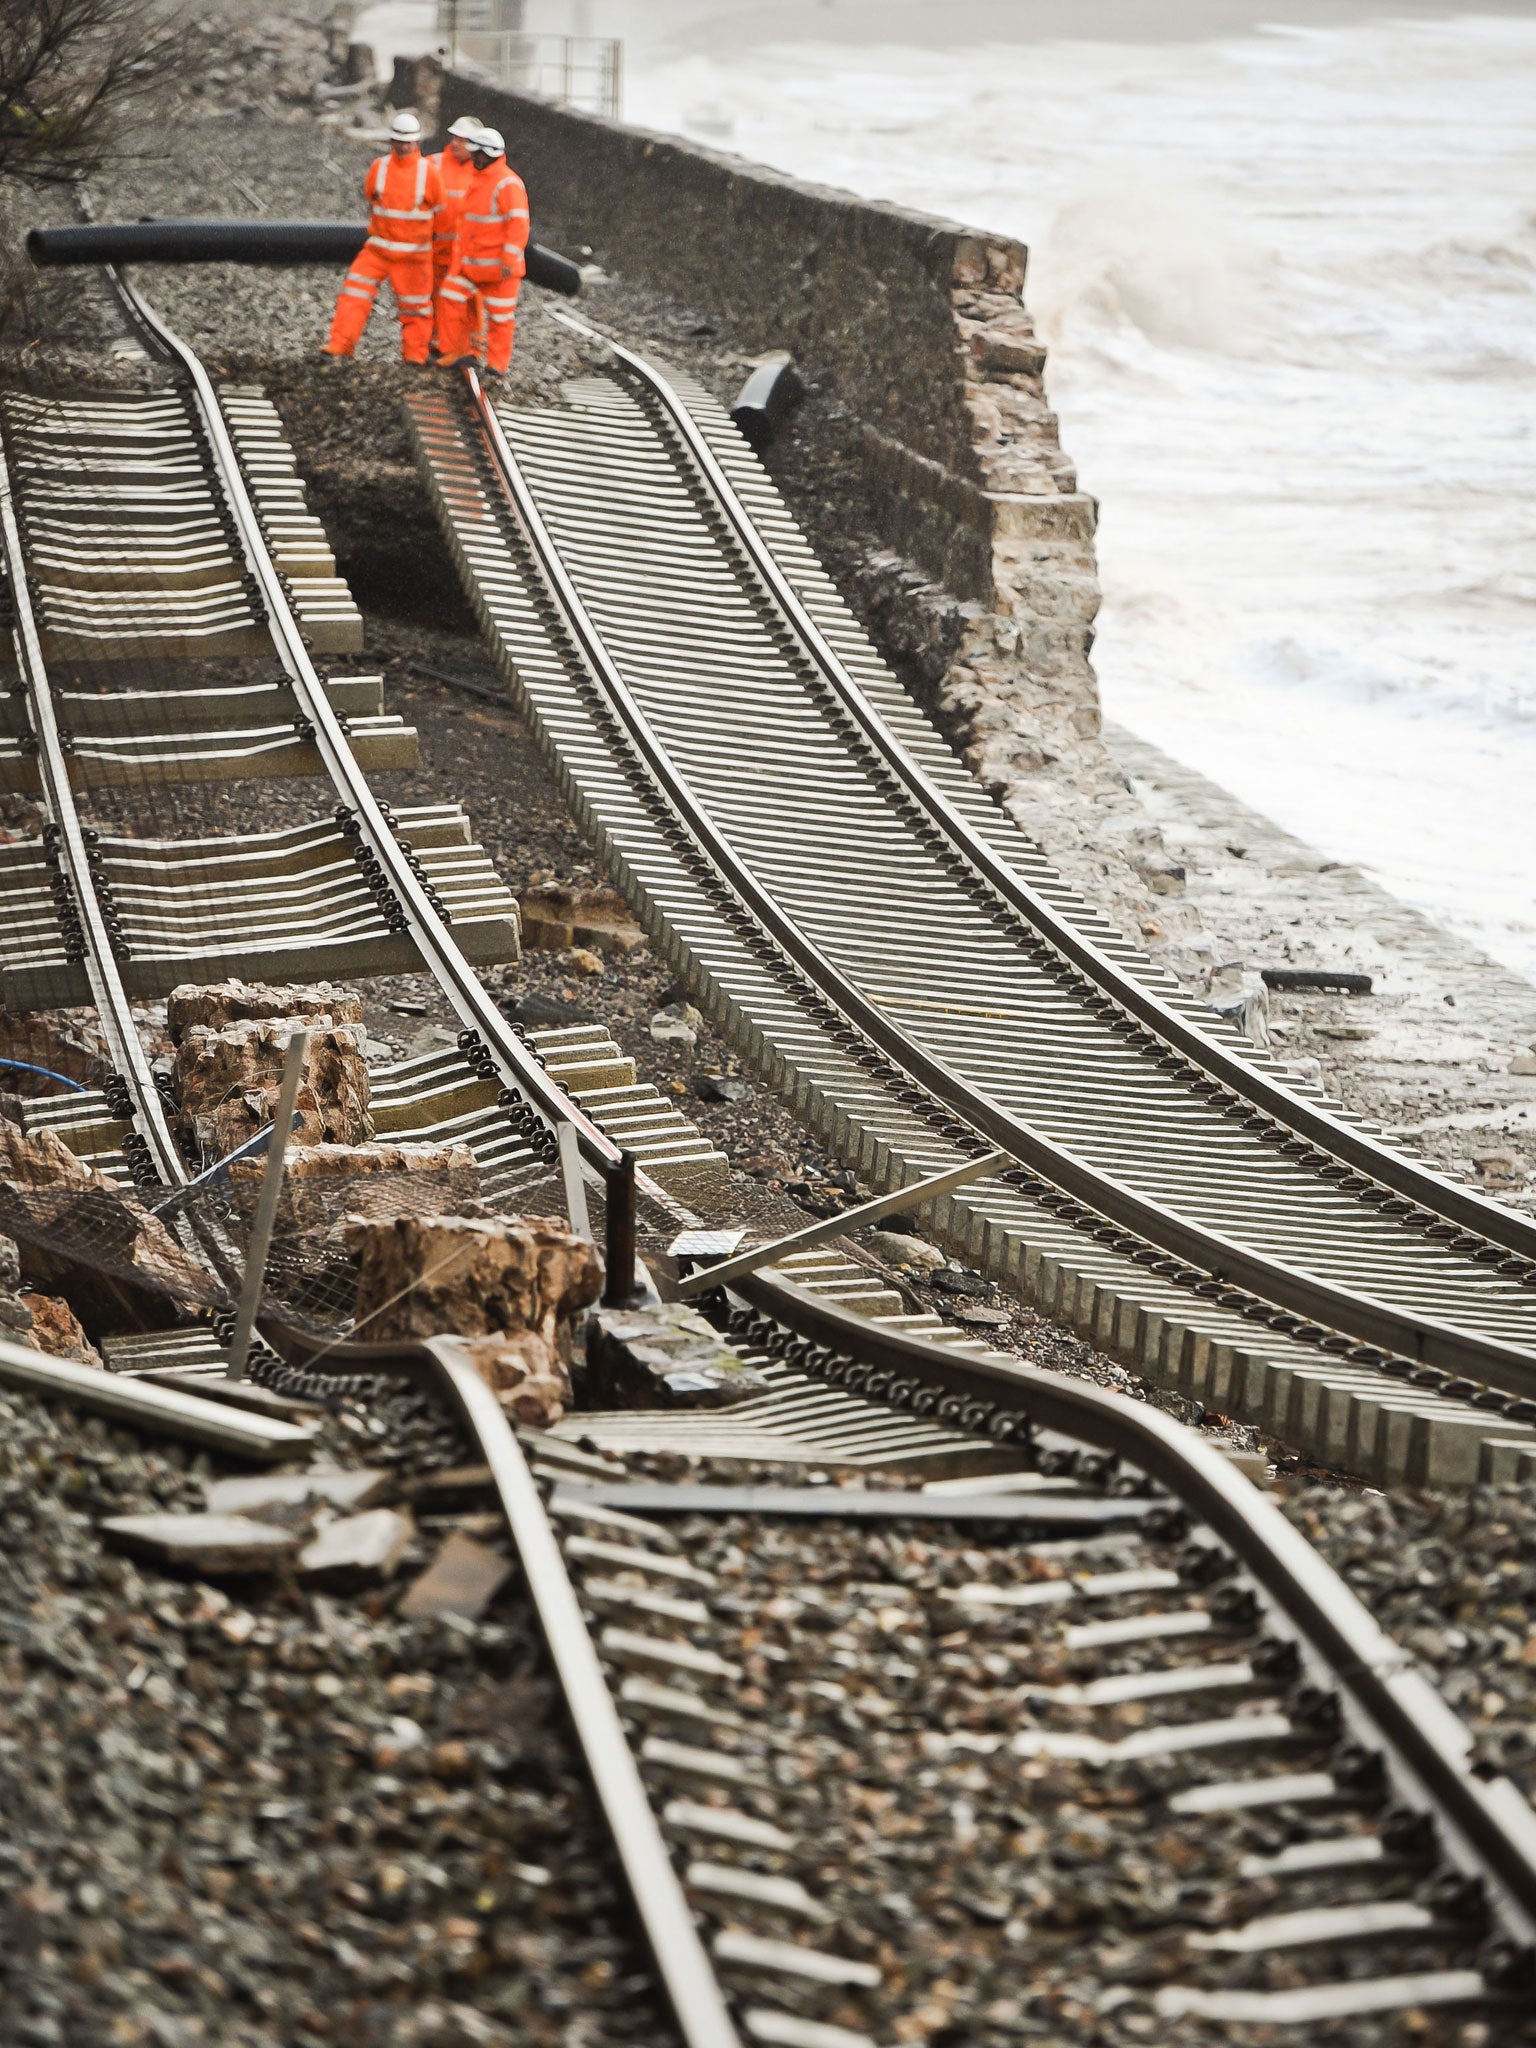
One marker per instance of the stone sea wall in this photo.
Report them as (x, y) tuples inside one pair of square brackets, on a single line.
[(980, 575)]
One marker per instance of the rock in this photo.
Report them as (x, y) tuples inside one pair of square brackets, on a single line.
[(55, 1328), (666, 1356), (321, 1182), (227, 1081), (222, 1003), (1498, 1169), (1248, 1009), (952, 1281), (677, 1024), (557, 918), (212, 1546), (431, 1038), (983, 1317), (463, 1579), (547, 1013), (721, 1088), (255, 1495), (10, 1264), (581, 961), (357, 1550), (899, 1250), (533, 1386), (1523, 1063), (14, 1314), (81, 1236), (510, 1289)]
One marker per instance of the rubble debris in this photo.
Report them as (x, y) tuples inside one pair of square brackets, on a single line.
[(356, 1551), (1315, 980), (463, 1579), (254, 1495), (82, 1237), (665, 1356), (677, 1024), (212, 1546), (55, 1328), (216, 1005), (510, 1288), (897, 1249), (558, 917), (322, 1182), (722, 1088), (227, 1077)]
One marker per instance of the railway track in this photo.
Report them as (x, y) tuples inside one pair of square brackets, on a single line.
[(828, 1723), (1142, 1630), (166, 531), (909, 971)]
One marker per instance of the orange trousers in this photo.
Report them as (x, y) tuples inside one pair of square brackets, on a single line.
[(440, 273), (464, 303), (411, 280)]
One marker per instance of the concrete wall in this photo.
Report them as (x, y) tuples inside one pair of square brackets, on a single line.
[(915, 323)]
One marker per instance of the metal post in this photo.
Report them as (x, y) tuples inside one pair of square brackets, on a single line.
[(266, 1206), (575, 1186), (619, 1285)]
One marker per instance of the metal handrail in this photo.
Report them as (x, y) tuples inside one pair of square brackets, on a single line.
[(1361, 1316)]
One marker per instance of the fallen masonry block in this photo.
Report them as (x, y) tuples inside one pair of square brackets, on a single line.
[(556, 918), (508, 1289), (357, 1550), (55, 1328), (212, 1546), (352, 1491), (463, 1579), (665, 1357), (227, 1078), (221, 1003)]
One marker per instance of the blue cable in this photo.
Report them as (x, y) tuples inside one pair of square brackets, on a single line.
[(26, 1067)]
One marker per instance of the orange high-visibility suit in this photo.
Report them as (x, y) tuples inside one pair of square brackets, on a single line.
[(456, 179), (405, 198), (488, 267)]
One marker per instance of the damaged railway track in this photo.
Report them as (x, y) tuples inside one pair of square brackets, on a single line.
[(908, 970), (1138, 1627)]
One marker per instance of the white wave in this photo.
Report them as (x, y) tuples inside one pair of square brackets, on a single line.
[(1289, 280)]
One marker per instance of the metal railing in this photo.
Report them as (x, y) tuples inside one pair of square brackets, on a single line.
[(585, 72)]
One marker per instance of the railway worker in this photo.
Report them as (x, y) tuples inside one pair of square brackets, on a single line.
[(489, 264), (405, 200), (455, 167)]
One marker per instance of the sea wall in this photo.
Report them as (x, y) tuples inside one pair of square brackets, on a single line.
[(978, 571)]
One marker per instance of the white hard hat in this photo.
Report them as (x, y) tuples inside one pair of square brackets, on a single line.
[(488, 142), (465, 126), (405, 128)]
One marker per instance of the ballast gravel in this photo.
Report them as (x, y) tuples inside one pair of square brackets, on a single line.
[(248, 1817)]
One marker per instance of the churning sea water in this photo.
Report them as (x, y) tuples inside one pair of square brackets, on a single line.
[(1289, 282)]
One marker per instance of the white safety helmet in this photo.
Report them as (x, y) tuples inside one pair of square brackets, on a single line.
[(465, 126), (405, 128), (488, 142)]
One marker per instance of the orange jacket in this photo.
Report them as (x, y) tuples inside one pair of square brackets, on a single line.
[(405, 198), (493, 228), (456, 179)]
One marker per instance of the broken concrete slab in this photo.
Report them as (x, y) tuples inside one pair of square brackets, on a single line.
[(352, 1491), (463, 1579), (357, 1550), (211, 1546), (666, 1356)]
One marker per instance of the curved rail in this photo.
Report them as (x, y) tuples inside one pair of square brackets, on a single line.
[(517, 1066), (1354, 1148), (1367, 1320), (1491, 1826), (110, 997)]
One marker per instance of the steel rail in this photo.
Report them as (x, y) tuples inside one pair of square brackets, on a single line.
[(1359, 1315), (1357, 1149), (519, 1068), (113, 1010), (1493, 1828), (672, 1934)]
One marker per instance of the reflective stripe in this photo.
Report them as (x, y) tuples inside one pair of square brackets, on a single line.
[(404, 212), (399, 248)]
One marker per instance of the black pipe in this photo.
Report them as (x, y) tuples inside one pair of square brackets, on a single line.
[(767, 399), (619, 1289), (273, 242)]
